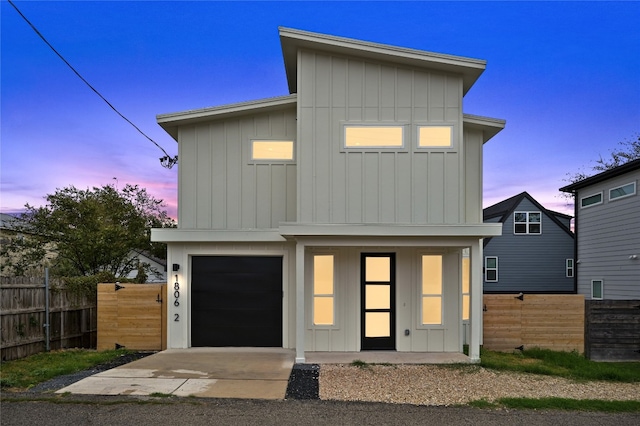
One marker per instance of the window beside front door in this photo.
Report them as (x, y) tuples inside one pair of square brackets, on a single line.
[(431, 289), (323, 290)]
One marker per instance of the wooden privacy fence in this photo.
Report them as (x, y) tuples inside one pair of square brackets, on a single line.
[(72, 318), (132, 316), (612, 331), (546, 321)]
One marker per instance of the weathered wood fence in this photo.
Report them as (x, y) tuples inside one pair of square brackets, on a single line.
[(546, 321), (612, 330), (72, 318)]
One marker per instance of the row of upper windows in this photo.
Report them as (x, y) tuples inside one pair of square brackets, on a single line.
[(617, 193), (360, 138), (491, 269)]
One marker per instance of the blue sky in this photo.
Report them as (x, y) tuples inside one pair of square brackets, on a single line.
[(565, 76)]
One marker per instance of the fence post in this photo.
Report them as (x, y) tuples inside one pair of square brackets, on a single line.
[(46, 309)]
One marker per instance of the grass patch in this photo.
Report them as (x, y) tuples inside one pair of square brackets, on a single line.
[(571, 404), (359, 363), (570, 365), (27, 372), (161, 395)]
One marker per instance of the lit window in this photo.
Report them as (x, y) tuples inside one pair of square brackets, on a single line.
[(434, 137), (431, 290), (323, 290), (622, 191), (596, 289), (465, 288), (591, 200), (271, 150), (527, 223), (373, 137), (569, 268), (491, 269)]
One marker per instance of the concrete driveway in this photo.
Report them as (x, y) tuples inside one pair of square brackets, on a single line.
[(255, 373)]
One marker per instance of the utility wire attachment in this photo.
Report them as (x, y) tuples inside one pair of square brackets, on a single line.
[(166, 161)]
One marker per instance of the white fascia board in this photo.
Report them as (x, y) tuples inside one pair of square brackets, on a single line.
[(489, 126), (177, 235), (293, 40), (482, 230), (171, 121)]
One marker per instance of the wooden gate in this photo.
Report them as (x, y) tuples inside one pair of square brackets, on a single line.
[(132, 316), (547, 321)]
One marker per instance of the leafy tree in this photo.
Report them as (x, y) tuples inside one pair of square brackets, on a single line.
[(91, 231), (626, 151)]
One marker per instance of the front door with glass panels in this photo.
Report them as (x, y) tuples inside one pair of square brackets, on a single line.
[(378, 272)]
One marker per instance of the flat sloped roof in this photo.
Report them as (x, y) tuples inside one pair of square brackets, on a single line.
[(292, 40)]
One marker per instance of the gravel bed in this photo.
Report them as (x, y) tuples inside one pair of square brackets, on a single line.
[(450, 385)]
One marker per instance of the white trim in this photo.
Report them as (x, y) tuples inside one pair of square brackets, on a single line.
[(253, 160), (373, 148), (453, 143), (572, 268), (391, 230), (486, 269), (601, 289), (601, 194), (420, 325), (527, 223), (181, 235), (620, 197)]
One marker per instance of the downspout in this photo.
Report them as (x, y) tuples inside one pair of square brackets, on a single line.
[(575, 242)]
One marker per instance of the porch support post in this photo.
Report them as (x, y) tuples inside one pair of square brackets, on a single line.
[(300, 314), (475, 256)]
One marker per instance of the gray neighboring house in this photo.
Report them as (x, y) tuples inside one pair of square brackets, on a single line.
[(607, 211), (535, 253)]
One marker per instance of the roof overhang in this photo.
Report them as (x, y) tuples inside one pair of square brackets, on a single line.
[(177, 235), (489, 126), (481, 230), (170, 122), (294, 40)]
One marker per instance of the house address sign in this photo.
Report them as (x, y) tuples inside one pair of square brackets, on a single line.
[(176, 297)]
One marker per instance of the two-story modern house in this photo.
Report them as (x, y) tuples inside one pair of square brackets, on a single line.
[(333, 218), (535, 253), (607, 210)]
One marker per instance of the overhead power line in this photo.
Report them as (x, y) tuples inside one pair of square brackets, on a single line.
[(166, 161)]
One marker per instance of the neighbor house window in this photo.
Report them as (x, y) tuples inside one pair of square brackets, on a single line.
[(597, 289), (323, 290), (431, 289), (465, 288), (434, 137), (591, 200), (527, 223), (622, 191), (271, 150), (491, 269), (373, 137), (569, 268)]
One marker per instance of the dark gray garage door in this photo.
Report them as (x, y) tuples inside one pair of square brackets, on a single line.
[(236, 301)]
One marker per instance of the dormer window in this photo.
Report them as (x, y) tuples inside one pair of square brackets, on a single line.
[(527, 223)]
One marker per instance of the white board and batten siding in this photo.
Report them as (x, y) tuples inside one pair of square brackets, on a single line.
[(608, 234), (345, 335), (222, 188), (407, 185)]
